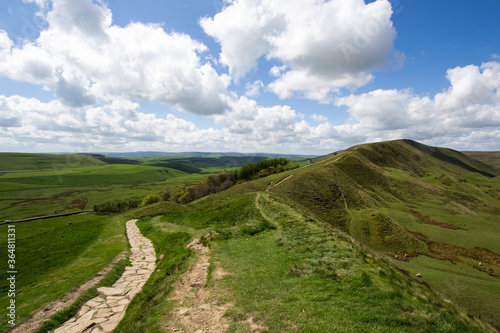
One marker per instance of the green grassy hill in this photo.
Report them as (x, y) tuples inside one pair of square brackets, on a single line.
[(489, 157), (44, 184), (424, 207), (286, 270), (337, 246)]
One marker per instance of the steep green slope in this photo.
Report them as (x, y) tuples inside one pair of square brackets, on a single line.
[(421, 205)]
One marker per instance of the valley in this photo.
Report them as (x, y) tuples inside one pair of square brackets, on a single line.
[(331, 246)]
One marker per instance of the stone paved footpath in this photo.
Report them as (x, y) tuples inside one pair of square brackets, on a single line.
[(103, 313)]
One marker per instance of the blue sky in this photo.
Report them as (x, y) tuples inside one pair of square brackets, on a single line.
[(296, 76)]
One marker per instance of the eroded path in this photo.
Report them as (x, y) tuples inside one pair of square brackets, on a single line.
[(103, 313), (198, 309)]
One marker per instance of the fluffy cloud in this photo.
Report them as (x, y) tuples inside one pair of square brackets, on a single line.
[(82, 57), (280, 128), (28, 122), (465, 116), (327, 45), (319, 118), (469, 109), (253, 89)]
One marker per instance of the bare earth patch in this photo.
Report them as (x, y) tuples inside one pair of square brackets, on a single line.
[(198, 309)]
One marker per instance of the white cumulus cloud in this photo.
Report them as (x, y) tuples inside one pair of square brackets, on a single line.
[(327, 45), (83, 58), (253, 89), (468, 109), (28, 122)]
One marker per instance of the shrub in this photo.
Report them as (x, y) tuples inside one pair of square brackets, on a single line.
[(150, 199)]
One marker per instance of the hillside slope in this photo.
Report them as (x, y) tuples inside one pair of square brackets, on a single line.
[(273, 266), (489, 157), (281, 258), (423, 206)]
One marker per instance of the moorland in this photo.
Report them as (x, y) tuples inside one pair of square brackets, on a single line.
[(334, 245)]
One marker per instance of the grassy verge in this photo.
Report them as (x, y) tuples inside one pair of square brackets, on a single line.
[(52, 263), (478, 292), (62, 316), (148, 308)]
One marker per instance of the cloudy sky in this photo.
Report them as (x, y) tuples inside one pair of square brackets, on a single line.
[(277, 76)]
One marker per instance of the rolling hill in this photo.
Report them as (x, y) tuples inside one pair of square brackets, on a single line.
[(379, 237), (433, 211), (489, 157)]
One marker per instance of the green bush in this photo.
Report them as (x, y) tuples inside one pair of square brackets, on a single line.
[(150, 199)]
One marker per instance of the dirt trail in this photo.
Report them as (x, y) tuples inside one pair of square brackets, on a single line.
[(279, 182), (198, 309)]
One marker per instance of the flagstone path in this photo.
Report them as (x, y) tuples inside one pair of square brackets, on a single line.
[(103, 313)]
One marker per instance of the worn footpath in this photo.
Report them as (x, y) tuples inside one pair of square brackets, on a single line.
[(103, 313)]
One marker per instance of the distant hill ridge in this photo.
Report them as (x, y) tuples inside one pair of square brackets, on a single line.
[(489, 157)]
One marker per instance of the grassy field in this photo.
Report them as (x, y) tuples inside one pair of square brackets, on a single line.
[(53, 257), (37, 184)]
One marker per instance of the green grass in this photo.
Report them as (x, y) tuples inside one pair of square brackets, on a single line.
[(478, 292), (93, 176), (383, 183), (298, 275), (33, 228), (305, 277), (20, 161), (49, 200), (52, 263), (381, 232)]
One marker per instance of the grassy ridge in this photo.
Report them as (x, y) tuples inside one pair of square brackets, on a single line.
[(308, 278), (401, 198)]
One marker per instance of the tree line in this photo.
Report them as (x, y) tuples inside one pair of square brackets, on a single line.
[(210, 185), (264, 168)]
